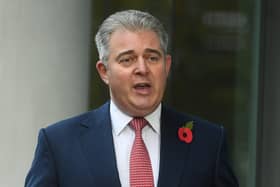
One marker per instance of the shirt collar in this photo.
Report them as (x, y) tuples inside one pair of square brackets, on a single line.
[(120, 119)]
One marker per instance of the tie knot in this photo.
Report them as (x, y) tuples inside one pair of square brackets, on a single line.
[(138, 123)]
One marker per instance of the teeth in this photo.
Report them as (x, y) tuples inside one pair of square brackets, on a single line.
[(142, 85)]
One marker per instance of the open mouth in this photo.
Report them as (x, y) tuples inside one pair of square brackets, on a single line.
[(142, 88)]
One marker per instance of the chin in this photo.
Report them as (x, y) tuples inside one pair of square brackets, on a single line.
[(146, 109)]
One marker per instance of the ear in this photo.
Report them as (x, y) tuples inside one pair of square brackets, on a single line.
[(102, 71), (167, 63)]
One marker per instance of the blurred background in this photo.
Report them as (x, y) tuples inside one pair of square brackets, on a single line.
[(225, 69)]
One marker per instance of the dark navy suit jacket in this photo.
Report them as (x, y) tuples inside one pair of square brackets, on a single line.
[(79, 152)]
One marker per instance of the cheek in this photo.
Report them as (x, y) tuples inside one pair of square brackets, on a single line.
[(118, 80), (113, 74), (160, 78)]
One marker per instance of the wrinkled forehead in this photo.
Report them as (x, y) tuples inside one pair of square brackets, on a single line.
[(142, 40)]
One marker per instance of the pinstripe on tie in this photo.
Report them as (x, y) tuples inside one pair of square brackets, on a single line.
[(141, 174)]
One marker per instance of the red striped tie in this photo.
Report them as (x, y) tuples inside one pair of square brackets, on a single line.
[(141, 174)]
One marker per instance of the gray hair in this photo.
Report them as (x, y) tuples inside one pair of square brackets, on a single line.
[(131, 20)]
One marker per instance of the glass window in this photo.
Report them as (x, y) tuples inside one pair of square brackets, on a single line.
[(214, 75)]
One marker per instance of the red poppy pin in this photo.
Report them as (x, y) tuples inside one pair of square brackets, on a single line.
[(185, 133)]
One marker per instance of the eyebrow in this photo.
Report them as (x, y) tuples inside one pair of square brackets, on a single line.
[(124, 53), (148, 50)]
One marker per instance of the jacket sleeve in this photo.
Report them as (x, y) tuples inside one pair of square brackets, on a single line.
[(224, 176), (42, 172)]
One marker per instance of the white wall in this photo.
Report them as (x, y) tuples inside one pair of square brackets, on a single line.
[(44, 73)]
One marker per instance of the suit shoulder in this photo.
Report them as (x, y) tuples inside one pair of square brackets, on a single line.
[(200, 123), (68, 122), (206, 134), (72, 123)]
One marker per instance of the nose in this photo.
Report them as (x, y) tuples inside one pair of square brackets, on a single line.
[(141, 67)]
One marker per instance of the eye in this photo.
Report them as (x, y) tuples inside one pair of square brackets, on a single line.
[(152, 58), (127, 60)]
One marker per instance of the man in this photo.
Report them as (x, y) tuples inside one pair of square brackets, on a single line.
[(132, 140)]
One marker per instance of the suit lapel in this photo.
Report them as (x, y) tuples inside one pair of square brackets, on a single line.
[(174, 153), (97, 144)]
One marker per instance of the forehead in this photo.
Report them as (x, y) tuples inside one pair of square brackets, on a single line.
[(123, 40)]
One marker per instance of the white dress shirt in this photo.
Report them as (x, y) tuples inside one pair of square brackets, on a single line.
[(123, 137)]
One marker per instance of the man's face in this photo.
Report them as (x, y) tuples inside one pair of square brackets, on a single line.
[(136, 71)]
